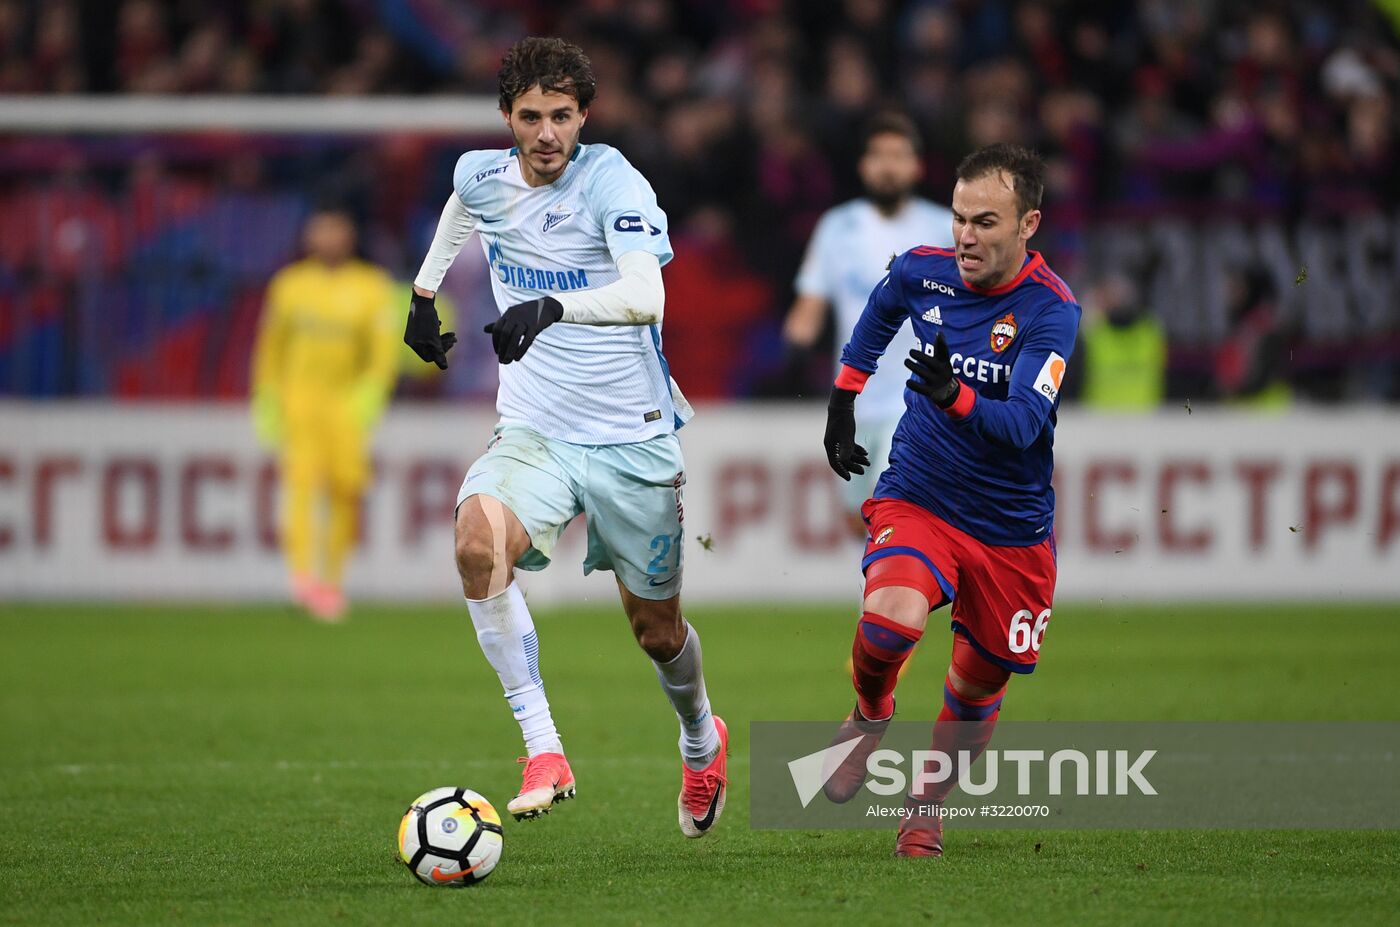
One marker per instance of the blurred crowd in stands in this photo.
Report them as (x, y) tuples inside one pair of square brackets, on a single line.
[(1225, 171)]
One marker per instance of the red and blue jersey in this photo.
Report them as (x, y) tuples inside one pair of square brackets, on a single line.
[(984, 464)]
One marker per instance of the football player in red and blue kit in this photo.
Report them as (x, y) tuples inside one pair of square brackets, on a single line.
[(964, 515)]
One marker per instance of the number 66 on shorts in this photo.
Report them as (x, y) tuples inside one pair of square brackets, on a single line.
[(1025, 636), (1000, 595)]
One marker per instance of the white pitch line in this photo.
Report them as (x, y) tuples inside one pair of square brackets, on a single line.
[(86, 769)]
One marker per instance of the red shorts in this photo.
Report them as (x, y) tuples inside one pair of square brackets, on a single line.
[(1001, 595)]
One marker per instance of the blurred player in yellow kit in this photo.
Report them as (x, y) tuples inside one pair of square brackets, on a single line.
[(323, 369)]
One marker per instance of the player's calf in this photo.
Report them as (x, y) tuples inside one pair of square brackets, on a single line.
[(878, 652), (972, 697), (674, 646)]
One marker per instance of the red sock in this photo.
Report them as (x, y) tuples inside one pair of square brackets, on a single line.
[(880, 649), (963, 724), (966, 723)]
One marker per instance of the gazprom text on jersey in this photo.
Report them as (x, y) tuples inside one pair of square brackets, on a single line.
[(535, 278)]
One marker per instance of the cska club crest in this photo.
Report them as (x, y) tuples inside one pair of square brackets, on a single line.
[(1003, 333)]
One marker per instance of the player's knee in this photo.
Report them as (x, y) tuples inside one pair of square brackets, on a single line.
[(476, 549), (902, 588), (973, 689), (475, 555), (659, 630), (661, 644), (972, 675)]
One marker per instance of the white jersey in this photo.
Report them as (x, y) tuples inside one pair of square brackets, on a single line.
[(847, 256), (584, 384)]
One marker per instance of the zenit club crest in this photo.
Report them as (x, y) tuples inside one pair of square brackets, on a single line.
[(556, 217), (1003, 333)]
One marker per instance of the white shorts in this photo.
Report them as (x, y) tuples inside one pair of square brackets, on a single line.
[(630, 495)]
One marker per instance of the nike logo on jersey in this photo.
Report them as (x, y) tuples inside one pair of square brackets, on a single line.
[(934, 315), (652, 582)]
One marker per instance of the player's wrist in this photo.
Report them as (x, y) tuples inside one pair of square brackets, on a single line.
[(944, 396), (851, 379), (842, 400)]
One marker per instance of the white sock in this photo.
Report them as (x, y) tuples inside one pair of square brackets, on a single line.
[(507, 637), (683, 681)]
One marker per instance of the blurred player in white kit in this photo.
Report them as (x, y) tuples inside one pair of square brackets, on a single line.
[(849, 252)]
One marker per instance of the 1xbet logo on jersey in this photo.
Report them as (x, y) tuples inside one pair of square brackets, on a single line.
[(1003, 333)]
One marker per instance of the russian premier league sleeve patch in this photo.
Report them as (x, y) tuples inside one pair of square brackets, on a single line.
[(1051, 375)]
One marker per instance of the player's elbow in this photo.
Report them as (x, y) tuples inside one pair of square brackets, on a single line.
[(1024, 429), (649, 309), (1012, 424), (647, 292)]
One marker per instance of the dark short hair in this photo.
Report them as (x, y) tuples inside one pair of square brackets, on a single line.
[(890, 122), (554, 64), (1025, 167)]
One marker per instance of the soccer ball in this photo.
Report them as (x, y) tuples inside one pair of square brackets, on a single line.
[(450, 837)]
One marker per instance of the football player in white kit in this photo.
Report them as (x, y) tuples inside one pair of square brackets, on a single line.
[(588, 410), (849, 252)]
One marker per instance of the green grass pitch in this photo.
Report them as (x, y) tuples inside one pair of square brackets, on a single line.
[(221, 765)]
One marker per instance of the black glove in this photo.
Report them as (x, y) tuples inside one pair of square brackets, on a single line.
[(519, 326), (933, 376), (842, 451), (421, 333)]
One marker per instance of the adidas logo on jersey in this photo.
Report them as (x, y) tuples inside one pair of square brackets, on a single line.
[(934, 315)]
